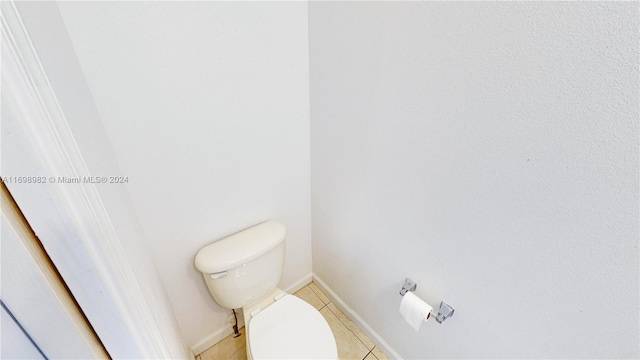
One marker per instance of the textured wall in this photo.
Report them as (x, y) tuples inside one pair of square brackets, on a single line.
[(206, 105), (490, 152)]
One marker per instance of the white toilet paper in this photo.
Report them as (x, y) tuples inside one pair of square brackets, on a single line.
[(414, 310)]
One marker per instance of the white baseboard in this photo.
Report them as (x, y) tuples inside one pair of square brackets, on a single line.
[(304, 281), (353, 316), (214, 338), (217, 336)]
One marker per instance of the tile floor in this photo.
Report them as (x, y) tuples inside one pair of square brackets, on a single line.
[(352, 343)]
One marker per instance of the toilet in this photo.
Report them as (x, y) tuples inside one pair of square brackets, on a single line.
[(243, 271)]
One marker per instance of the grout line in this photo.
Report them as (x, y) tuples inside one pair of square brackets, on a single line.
[(348, 328), (342, 322), (314, 294), (318, 295), (367, 354), (198, 357), (370, 351)]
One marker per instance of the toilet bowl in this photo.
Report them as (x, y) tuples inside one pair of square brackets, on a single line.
[(287, 328), (243, 271)]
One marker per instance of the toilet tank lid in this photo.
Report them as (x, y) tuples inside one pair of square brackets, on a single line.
[(240, 248)]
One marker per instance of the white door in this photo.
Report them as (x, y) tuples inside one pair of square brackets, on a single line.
[(16, 342), (40, 318)]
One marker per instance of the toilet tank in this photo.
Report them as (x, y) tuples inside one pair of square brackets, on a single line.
[(245, 266)]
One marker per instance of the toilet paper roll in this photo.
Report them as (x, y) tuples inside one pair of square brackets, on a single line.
[(414, 310)]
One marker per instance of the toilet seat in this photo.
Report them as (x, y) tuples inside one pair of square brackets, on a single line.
[(290, 328)]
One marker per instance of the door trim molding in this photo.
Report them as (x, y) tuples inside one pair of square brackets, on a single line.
[(70, 220), (53, 316)]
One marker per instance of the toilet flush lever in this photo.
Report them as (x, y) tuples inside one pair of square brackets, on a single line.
[(219, 275)]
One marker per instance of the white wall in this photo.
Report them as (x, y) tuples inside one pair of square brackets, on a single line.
[(51, 42), (489, 151), (207, 109)]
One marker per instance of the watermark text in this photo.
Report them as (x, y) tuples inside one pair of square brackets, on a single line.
[(65, 179)]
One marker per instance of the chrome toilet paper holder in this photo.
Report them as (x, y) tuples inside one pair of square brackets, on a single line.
[(444, 312), (409, 285)]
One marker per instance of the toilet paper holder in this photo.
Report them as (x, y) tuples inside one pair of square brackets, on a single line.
[(444, 312)]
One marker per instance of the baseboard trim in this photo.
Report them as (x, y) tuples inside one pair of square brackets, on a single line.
[(214, 338), (353, 316), (304, 281), (217, 336)]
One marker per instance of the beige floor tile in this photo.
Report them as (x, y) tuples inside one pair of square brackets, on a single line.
[(241, 354), (229, 348), (309, 296), (379, 354), (370, 356), (319, 292), (351, 341), (351, 326), (349, 346)]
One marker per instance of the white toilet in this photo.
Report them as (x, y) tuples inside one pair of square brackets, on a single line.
[(243, 271)]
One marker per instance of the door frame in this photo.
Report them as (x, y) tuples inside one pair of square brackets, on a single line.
[(71, 221), (35, 295)]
